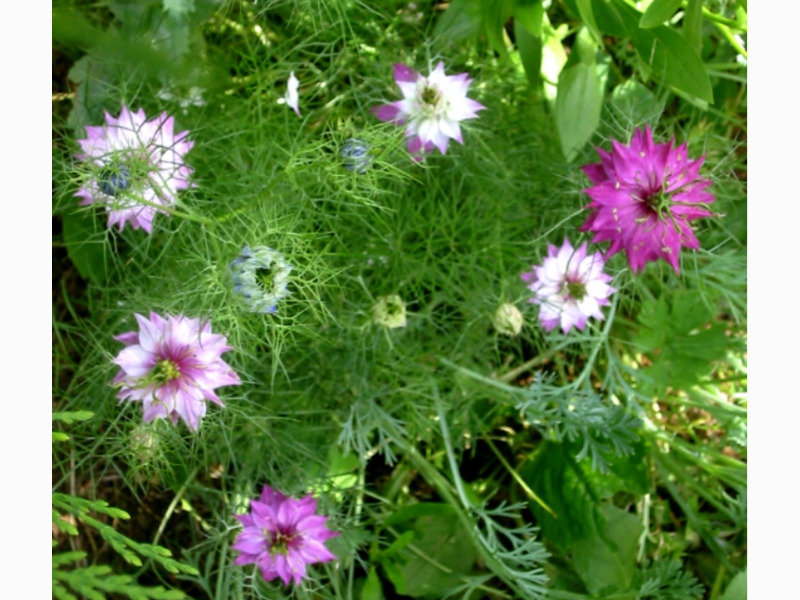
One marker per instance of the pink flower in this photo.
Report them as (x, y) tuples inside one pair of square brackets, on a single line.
[(431, 108), (282, 535), (570, 287), (644, 197), (136, 166), (173, 366)]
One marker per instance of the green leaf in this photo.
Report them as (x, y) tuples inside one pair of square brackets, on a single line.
[(73, 416), (680, 339), (607, 562), (178, 9), (461, 20), (372, 589), (658, 12), (693, 25), (586, 13), (60, 437), (578, 106), (637, 103), (86, 249), (529, 14), (439, 552), (667, 53), (606, 18), (494, 14), (737, 588), (559, 481), (530, 53)]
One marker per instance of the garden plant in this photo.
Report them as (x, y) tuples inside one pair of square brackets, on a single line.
[(387, 299)]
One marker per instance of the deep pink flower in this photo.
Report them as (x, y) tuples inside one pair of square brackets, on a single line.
[(173, 366), (136, 166), (431, 108), (644, 196), (570, 287), (282, 535)]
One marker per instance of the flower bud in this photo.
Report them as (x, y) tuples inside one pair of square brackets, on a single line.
[(508, 320)]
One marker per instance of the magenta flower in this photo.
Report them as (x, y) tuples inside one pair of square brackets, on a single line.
[(431, 108), (282, 535), (644, 196), (570, 287), (173, 366), (136, 166)]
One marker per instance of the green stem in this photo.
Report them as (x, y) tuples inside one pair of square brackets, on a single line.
[(173, 505)]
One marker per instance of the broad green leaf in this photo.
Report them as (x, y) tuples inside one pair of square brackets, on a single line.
[(578, 106), (556, 477), (85, 248), (607, 562), (587, 16), (668, 54), (529, 14), (530, 53), (658, 12), (461, 20), (442, 538), (372, 589), (634, 101), (693, 25), (494, 14), (606, 18), (178, 9), (681, 340), (737, 588)]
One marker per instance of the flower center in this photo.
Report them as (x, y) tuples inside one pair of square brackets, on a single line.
[(280, 542), (114, 179), (122, 171), (576, 290), (165, 371), (430, 96), (265, 278)]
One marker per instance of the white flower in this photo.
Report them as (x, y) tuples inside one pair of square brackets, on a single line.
[(570, 286), (431, 107), (292, 98)]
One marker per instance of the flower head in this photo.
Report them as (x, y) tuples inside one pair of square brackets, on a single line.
[(570, 287), (261, 277), (136, 166), (431, 108), (173, 366), (292, 97), (507, 320), (389, 312), (355, 155), (282, 535), (643, 198)]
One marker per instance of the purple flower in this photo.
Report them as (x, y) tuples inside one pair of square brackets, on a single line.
[(282, 535), (644, 196), (136, 166), (431, 108), (570, 287), (173, 366)]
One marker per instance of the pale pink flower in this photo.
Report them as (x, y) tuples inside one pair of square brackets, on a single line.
[(136, 166), (173, 366), (569, 286)]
